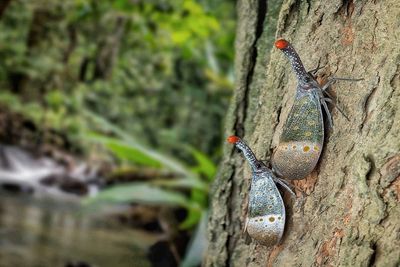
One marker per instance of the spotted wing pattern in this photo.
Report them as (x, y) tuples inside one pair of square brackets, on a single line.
[(302, 138), (305, 122), (266, 221)]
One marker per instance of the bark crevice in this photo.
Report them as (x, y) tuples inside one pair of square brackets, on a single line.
[(259, 27)]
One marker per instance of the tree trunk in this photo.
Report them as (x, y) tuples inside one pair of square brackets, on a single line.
[(350, 212)]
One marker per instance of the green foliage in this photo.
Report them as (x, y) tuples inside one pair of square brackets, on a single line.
[(204, 164), (146, 79), (161, 70), (126, 149), (126, 152)]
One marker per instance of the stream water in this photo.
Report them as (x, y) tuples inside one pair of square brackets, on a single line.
[(41, 233), (44, 226)]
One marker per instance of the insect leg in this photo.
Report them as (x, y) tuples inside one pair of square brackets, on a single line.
[(330, 98), (332, 80), (314, 71), (245, 234), (328, 113), (265, 161), (285, 185), (327, 99)]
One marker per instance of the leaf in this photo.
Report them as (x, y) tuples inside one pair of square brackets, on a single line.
[(205, 165), (197, 245), (128, 140), (182, 183), (192, 218), (55, 98), (125, 151), (140, 193), (108, 126), (199, 197), (123, 5), (180, 37)]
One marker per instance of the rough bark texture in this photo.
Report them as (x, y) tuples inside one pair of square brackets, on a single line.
[(350, 213)]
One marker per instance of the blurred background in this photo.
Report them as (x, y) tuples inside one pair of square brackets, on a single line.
[(111, 123)]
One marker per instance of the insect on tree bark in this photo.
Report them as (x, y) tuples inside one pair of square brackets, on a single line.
[(350, 213)]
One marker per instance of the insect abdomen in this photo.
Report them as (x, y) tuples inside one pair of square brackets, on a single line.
[(266, 217), (302, 138)]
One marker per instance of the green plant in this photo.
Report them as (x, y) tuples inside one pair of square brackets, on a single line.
[(194, 179), (160, 191)]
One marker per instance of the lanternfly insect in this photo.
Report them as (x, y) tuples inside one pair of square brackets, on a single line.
[(302, 138), (265, 220)]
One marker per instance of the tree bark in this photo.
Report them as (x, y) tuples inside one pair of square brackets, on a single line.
[(350, 212)]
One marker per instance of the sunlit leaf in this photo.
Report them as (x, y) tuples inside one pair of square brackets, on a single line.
[(123, 5), (180, 37), (192, 7)]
